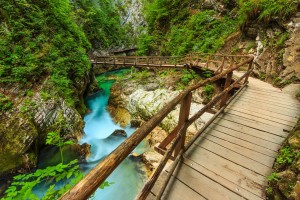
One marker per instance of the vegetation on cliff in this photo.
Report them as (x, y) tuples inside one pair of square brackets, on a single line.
[(53, 37), (178, 27), (283, 182), (45, 70)]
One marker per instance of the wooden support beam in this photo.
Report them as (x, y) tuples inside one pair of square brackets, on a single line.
[(183, 118)]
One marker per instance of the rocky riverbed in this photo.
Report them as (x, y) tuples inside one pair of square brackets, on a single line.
[(138, 96)]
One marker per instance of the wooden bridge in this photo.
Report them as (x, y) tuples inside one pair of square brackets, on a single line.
[(230, 157)]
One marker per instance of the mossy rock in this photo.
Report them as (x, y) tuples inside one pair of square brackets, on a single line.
[(17, 135)]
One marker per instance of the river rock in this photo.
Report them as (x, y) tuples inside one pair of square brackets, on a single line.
[(145, 104), (135, 123), (83, 151), (120, 115), (120, 132), (157, 135)]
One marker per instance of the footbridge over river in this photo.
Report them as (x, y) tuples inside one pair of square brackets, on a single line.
[(228, 158)]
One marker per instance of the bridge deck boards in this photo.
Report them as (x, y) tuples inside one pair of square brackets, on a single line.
[(232, 158)]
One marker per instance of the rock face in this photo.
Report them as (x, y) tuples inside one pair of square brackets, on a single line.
[(23, 129), (145, 104), (276, 49), (49, 112), (291, 56), (17, 135)]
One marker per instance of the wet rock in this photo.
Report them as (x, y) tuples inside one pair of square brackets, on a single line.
[(135, 123), (120, 132), (83, 151), (120, 115)]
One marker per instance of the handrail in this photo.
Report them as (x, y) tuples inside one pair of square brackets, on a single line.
[(97, 175)]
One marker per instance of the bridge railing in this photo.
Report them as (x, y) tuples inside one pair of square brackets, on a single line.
[(141, 61), (176, 139)]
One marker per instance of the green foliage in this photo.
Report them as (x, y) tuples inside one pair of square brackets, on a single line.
[(41, 38), (273, 177), (266, 10), (141, 75), (187, 76), (206, 73), (52, 37), (53, 138), (286, 156), (208, 90), (29, 93), (106, 184), (45, 95), (5, 103), (23, 185), (145, 43), (205, 31), (100, 21), (280, 42)]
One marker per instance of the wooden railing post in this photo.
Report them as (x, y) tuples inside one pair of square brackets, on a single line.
[(183, 118), (227, 84), (249, 68)]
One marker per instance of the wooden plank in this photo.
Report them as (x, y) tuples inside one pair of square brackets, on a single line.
[(244, 192), (235, 157), (208, 188), (257, 106), (226, 169), (265, 115), (212, 134), (250, 131), (276, 102), (260, 118), (279, 116), (270, 93), (255, 124), (246, 152), (150, 196), (180, 191), (273, 147), (268, 104)]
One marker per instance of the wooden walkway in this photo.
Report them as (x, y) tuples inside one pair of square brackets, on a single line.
[(235, 154)]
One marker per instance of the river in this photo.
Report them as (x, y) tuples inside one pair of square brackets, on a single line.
[(130, 176)]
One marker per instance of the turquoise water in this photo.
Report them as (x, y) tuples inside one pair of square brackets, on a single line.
[(129, 177)]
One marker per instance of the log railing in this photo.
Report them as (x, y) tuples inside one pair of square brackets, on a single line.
[(176, 139)]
